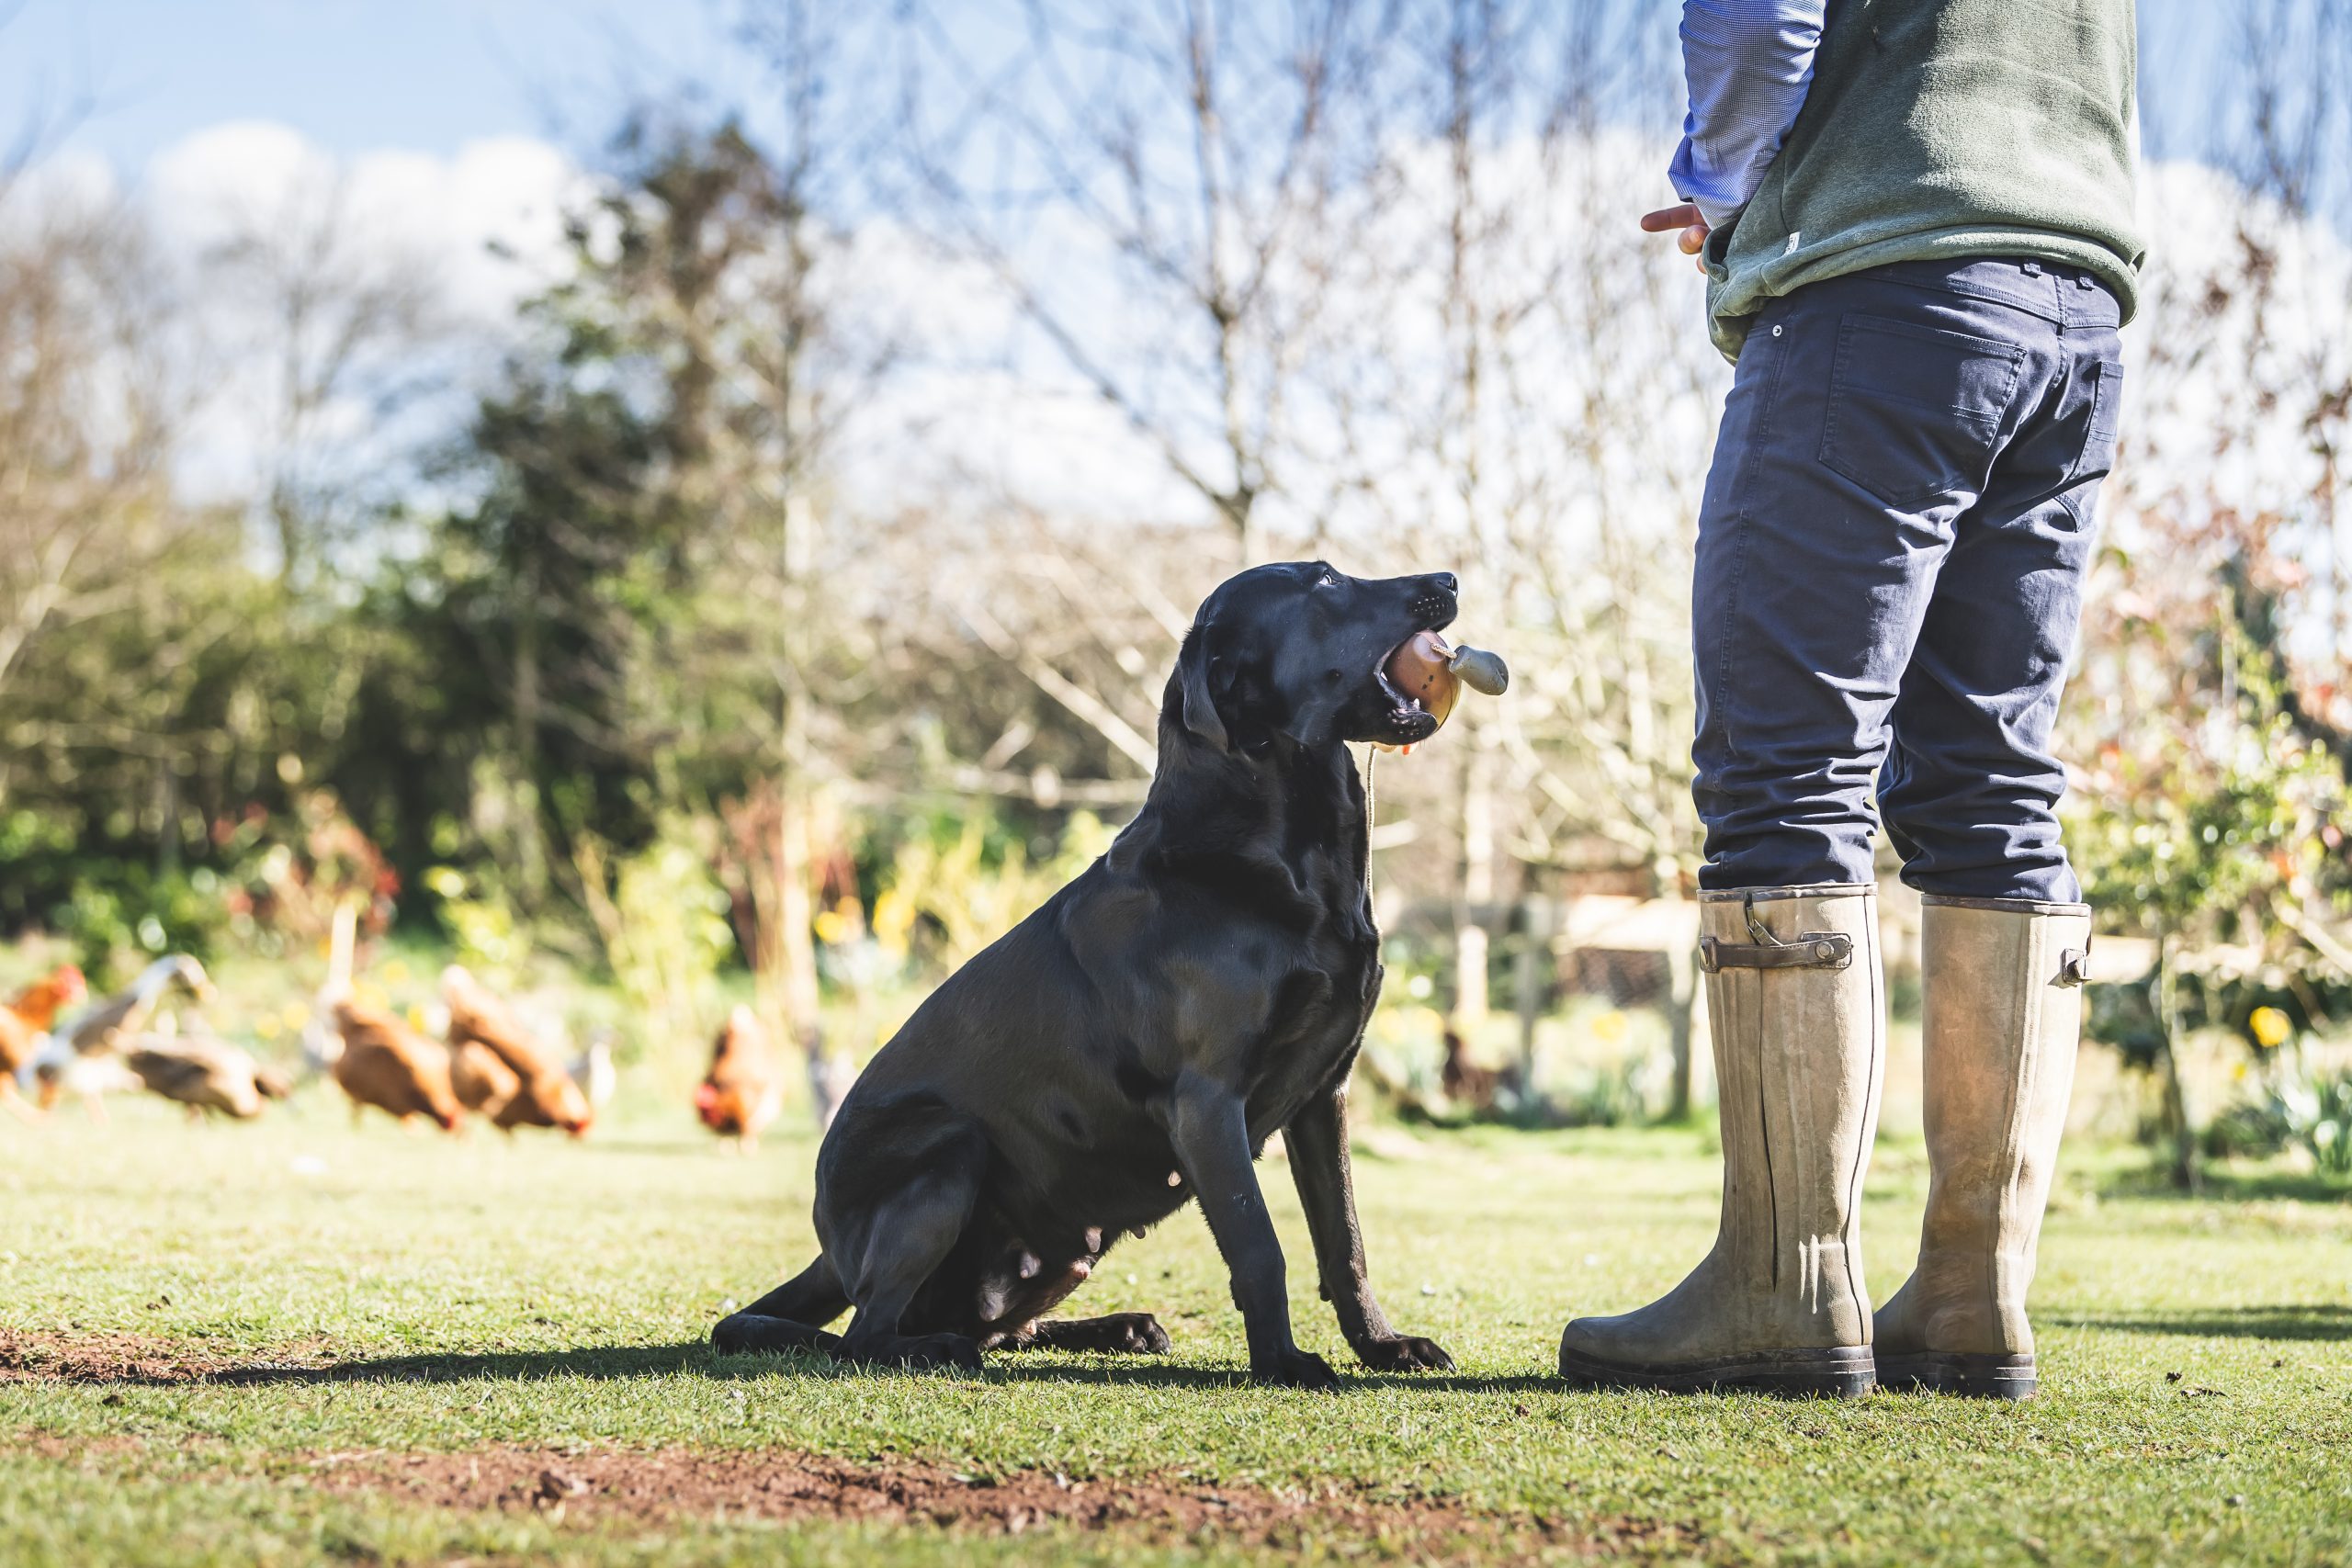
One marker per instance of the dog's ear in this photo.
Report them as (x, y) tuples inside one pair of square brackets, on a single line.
[(1192, 676)]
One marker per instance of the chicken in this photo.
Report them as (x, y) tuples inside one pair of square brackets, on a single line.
[(76, 1056), (593, 1071), (58, 1072), (205, 1075), (829, 1077), (321, 1043), (742, 1091), (484, 1083), (1467, 1086), (126, 1013), (24, 1027), (481, 1031), (389, 1066)]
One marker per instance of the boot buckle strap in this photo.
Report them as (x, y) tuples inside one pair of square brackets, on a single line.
[(1814, 950), (2074, 968)]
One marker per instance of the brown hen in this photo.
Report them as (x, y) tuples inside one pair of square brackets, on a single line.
[(24, 1021), (484, 1083), (483, 1032), (391, 1066), (742, 1091)]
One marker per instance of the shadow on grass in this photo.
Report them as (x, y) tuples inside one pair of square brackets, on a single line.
[(2312, 1321), (696, 1358), (710, 1150), (2222, 1185)]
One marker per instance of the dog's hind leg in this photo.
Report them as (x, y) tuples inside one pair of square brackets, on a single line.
[(790, 1317), (1120, 1333), (813, 1295), (896, 1242), (907, 1238)]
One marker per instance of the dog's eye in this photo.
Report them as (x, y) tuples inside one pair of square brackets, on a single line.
[(1329, 580)]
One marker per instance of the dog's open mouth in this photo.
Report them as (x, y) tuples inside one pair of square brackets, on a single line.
[(1411, 717), (1422, 677)]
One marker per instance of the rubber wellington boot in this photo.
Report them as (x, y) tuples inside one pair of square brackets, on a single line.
[(2001, 1009), (1794, 1004)]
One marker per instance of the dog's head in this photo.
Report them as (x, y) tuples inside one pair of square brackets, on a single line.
[(1296, 650)]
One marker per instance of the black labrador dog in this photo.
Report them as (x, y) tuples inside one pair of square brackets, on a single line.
[(1131, 1045)]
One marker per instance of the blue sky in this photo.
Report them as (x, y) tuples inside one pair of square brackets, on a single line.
[(352, 76), (356, 75)]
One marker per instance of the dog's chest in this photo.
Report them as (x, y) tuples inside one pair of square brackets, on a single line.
[(1319, 1020)]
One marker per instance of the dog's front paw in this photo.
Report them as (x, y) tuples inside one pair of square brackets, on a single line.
[(745, 1332), (1404, 1353), (1136, 1334), (1295, 1368)]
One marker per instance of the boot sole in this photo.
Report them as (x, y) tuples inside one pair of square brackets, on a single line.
[(1844, 1372), (1969, 1375)]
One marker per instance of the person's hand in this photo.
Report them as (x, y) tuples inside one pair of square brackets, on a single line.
[(1693, 237)]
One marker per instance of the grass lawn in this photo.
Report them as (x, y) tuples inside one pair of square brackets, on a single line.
[(291, 1342)]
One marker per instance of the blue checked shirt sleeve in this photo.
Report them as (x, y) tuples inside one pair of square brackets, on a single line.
[(1748, 63)]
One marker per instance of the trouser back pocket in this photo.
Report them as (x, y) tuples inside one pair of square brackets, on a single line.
[(1915, 412)]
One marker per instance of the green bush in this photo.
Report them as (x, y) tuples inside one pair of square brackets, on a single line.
[(2319, 1115), (2250, 1130), (121, 914)]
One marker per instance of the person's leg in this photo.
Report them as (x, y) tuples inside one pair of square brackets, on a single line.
[(2001, 1010), (1970, 789), (1778, 1304), (1865, 416), (1971, 792), (1806, 594)]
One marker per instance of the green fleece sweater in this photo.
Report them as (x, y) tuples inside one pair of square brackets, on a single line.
[(1942, 129)]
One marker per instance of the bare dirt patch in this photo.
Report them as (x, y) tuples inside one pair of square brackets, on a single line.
[(31, 1356), (655, 1486), (89, 1356), (663, 1486)]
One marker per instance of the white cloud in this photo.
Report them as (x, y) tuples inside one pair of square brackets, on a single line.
[(473, 234), (445, 214), (74, 183)]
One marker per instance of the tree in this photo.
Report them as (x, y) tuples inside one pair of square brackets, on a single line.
[(1213, 161), (2212, 815), (349, 318), (2220, 825), (88, 412)]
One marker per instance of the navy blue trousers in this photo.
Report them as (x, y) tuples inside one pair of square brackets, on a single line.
[(1890, 571)]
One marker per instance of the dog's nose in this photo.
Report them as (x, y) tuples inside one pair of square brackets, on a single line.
[(1446, 580)]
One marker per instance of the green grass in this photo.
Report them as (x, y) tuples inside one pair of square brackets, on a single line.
[(556, 1295)]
